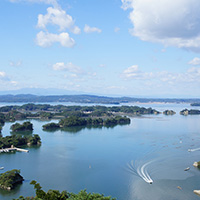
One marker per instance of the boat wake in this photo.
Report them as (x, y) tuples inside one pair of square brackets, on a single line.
[(140, 171), (191, 150)]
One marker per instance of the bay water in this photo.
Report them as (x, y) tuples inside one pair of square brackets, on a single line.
[(114, 161)]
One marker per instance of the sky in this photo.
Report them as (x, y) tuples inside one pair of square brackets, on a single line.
[(132, 48)]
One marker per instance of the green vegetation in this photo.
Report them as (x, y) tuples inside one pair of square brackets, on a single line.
[(13, 115), (10, 178), (198, 164), (51, 126), (73, 121), (56, 195), (19, 140), (84, 115), (190, 112), (169, 112), (26, 126), (46, 111)]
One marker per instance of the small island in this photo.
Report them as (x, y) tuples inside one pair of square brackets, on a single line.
[(9, 179), (26, 126), (190, 112), (169, 112)]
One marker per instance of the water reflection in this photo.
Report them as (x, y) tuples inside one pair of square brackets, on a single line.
[(11, 192), (95, 159)]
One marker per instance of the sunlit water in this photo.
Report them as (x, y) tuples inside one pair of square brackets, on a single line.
[(117, 161)]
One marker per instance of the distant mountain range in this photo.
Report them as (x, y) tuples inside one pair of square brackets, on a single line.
[(41, 91), (30, 98)]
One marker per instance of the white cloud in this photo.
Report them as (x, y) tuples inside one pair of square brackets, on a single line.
[(195, 61), (2, 74), (4, 79), (45, 39), (191, 75), (14, 83), (70, 67), (57, 16), (126, 4), (133, 72), (153, 21), (88, 29)]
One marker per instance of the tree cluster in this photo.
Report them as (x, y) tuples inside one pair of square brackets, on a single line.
[(190, 112), (10, 178), (64, 195), (169, 112), (73, 121), (26, 126), (19, 140)]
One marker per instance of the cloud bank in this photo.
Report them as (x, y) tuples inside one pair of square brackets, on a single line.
[(134, 73), (174, 23)]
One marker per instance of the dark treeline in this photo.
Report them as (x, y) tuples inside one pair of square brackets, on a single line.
[(64, 195), (47, 111), (169, 112), (61, 108), (195, 104), (19, 140), (73, 121), (89, 99), (190, 112)]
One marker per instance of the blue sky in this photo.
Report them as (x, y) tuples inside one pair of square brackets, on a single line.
[(105, 47)]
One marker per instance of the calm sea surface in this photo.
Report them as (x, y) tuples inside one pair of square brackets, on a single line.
[(115, 161)]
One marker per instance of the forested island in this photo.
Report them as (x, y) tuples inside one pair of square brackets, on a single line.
[(47, 112), (79, 121), (10, 178), (169, 112), (26, 126), (190, 112), (64, 195), (19, 140)]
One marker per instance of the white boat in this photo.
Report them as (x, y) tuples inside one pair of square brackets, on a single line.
[(186, 169), (1, 168)]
